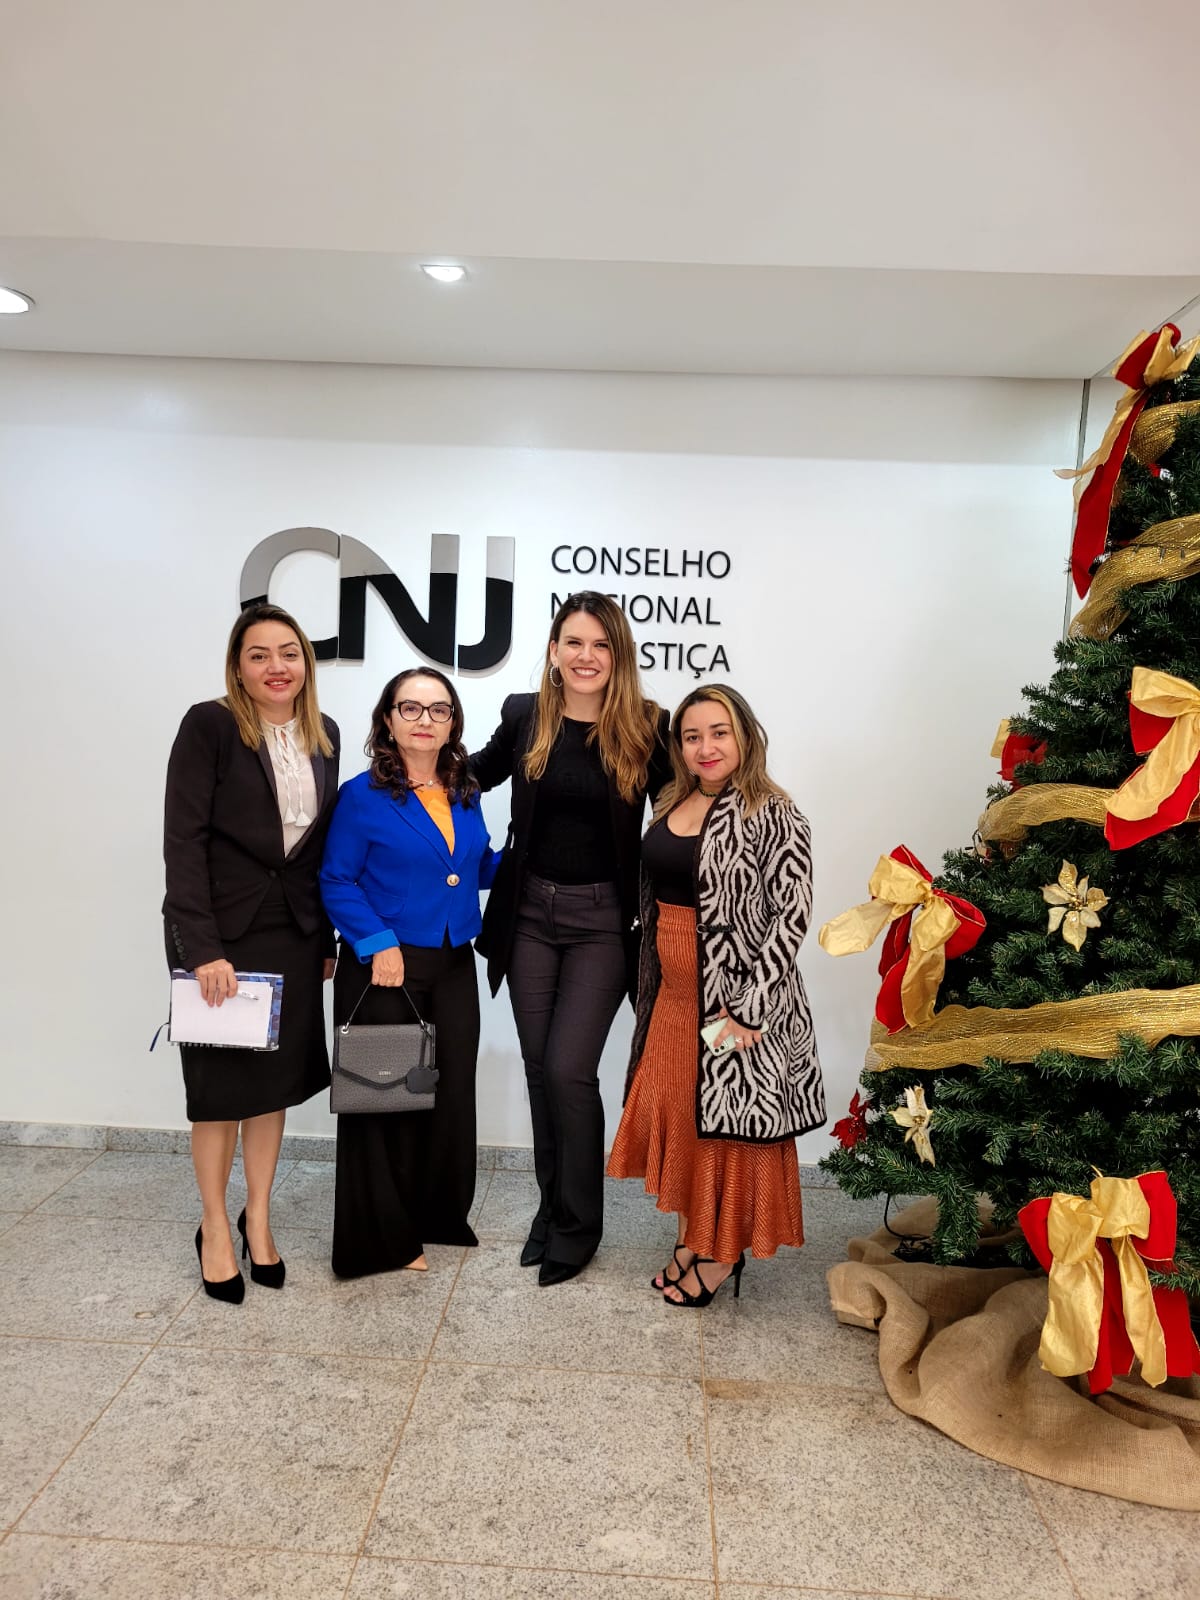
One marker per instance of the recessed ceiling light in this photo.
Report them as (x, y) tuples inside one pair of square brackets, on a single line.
[(13, 302), (443, 274)]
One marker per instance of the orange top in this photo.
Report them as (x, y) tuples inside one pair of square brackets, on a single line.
[(437, 802)]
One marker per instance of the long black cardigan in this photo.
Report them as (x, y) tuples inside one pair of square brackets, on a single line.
[(501, 758)]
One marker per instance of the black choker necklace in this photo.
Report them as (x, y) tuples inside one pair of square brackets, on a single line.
[(709, 794)]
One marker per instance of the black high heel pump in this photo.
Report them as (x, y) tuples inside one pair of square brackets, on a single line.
[(271, 1277), (706, 1295), (232, 1290)]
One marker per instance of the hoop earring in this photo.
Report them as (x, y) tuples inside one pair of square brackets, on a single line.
[(559, 684)]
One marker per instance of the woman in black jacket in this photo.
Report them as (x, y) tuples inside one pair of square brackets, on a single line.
[(251, 785), (561, 922)]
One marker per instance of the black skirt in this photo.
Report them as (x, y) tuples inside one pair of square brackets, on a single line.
[(227, 1085), (407, 1179)]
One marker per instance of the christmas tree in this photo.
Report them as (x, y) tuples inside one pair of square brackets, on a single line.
[(1039, 1017)]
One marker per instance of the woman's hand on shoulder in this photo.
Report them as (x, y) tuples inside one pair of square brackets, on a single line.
[(217, 980), (387, 968)]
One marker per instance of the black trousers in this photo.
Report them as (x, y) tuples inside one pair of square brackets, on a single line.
[(407, 1179), (566, 979)]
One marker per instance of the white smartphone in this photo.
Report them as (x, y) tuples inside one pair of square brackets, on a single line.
[(709, 1033)]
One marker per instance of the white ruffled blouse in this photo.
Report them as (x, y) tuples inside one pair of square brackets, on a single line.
[(294, 782)]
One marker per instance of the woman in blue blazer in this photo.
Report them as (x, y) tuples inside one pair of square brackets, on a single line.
[(407, 855)]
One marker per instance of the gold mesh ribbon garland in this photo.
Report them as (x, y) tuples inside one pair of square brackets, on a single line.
[(1010, 819), (1091, 1025), (1166, 552)]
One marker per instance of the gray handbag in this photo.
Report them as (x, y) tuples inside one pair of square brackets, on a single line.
[(383, 1066)]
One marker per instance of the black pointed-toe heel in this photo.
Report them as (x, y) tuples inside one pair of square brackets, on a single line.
[(271, 1277), (707, 1295), (232, 1290)]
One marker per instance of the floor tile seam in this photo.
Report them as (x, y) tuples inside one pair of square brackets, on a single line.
[(1035, 1501), (542, 1366), (109, 1403), (387, 1471), (180, 1544), (708, 1472), (813, 1589), (70, 1338), (291, 1351), (521, 1566), (59, 1187)]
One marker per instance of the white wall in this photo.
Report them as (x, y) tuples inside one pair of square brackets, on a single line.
[(898, 552)]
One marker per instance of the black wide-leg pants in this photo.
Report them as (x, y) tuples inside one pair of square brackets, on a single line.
[(566, 979), (407, 1179)]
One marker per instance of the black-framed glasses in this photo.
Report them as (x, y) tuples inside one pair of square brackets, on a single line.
[(413, 710)]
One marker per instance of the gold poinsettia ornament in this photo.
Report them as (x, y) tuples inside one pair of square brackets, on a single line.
[(914, 1117), (1073, 906)]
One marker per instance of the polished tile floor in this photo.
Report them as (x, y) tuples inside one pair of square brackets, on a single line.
[(467, 1436)]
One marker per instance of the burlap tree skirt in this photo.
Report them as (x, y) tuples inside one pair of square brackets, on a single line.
[(958, 1348)]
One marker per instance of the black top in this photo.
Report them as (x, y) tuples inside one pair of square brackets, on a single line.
[(670, 861), (503, 758), (572, 837)]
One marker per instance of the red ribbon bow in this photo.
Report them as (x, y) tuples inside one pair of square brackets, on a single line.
[(1114, 1352), (893, 959), (1140, 367)]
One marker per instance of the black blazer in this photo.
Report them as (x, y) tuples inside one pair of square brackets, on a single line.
[(223, 840), (501, 758)]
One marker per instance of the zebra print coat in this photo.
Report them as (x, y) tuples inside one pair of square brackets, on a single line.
[(753, 899)]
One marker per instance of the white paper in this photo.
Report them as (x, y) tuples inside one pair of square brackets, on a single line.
[(244, 1020)]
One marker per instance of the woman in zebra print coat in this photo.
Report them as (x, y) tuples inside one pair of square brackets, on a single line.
[(726, 894)]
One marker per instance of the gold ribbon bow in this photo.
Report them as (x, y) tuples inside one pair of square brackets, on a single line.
[(1118, 1211), (1165, 363), (895, 891), (1160, 695)]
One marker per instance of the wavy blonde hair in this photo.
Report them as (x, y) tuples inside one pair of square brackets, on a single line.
[(751, 778), (628, 723), (311, 733)]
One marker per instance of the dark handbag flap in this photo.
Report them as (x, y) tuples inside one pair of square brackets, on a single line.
[(380, 1055)]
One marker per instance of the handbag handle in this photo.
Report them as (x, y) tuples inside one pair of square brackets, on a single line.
[(345, 1027)]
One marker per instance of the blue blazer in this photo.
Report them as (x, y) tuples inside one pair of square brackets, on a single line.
[(388, 877)]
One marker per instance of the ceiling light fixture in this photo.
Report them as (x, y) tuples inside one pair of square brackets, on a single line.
[(13, 302), (443, 273)]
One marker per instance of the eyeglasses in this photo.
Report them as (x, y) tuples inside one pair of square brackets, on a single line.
[(412, 710)]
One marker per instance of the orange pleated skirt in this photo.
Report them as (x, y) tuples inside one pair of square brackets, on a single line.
[(736, 1195)]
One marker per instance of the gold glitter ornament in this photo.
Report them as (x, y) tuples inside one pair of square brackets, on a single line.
[(1073, 906)]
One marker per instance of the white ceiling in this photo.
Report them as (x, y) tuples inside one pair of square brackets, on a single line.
[(771, 186)]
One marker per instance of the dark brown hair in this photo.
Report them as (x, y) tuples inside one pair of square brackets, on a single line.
[(388, 770)]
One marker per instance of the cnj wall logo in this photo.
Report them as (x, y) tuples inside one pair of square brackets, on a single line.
[(435, 633)]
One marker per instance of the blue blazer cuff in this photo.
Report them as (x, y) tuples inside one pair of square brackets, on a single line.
[(364, 949)]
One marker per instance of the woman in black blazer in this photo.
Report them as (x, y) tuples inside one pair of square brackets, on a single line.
[(561, 920), (251, 785)]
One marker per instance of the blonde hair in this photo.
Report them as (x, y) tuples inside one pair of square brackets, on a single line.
[(751, 778), (310, 733), (628, 723)]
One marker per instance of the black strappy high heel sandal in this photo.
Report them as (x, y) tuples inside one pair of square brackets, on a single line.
[(231, 1290), (667, 1281), (707, 1295), (271, 1277)]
